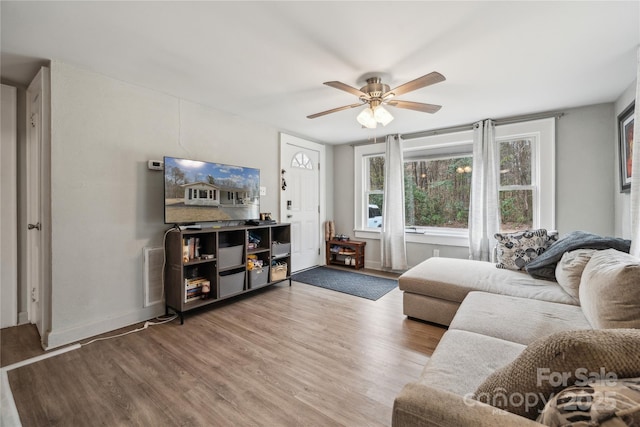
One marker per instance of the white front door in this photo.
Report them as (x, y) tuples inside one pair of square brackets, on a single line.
[(300, 201)]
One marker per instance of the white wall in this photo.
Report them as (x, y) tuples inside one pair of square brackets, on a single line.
[(107, 206), (584, 158), (622, 201), (8, 208), (584, 181)]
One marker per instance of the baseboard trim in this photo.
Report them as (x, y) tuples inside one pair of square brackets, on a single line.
[(57, 338)]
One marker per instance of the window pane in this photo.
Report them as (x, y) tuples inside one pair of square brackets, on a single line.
[(374, 211), (516, 210), (376, 173), (437, 193), (515, 162)]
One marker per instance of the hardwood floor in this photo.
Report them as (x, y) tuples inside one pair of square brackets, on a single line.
[(283, 356)]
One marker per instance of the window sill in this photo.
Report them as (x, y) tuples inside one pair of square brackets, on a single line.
[(445, 237)]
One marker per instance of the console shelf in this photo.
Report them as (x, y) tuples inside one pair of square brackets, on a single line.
[(209, 265), (346, 252)]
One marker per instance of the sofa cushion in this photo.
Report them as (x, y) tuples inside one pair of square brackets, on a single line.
[(607, 404), (515, 250), (569, 270), (520, 320), (610, 290), (452, 279), (463, 360), (553, 363)]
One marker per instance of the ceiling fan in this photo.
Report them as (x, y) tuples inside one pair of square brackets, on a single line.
[(375, 94)]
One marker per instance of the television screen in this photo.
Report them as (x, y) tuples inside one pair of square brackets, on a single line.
[(196, 191)]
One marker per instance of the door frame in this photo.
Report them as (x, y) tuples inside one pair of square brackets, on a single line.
[(322, 184)]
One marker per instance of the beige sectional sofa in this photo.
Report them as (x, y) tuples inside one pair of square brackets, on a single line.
[(493, 316)]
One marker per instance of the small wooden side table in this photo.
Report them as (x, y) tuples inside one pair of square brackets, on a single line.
[(340, 251)]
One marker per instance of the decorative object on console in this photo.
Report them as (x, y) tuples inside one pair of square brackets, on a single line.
[(374, 94)]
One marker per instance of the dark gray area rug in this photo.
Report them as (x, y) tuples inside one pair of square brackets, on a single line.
[(360, 285)]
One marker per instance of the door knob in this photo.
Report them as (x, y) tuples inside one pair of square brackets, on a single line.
[(32, 226)]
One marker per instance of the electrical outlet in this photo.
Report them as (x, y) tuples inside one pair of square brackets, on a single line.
[(436, 252), (263, 191)]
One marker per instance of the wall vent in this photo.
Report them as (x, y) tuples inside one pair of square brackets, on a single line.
[(153, 284)]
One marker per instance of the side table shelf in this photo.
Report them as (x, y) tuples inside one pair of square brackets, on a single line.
[(346, 252)]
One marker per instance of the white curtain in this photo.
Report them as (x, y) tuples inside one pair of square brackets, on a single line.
[(484, 207), (635, 172), (392, 243)]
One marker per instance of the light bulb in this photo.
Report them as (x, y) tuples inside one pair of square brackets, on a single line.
[(366, 119), (382, 116)]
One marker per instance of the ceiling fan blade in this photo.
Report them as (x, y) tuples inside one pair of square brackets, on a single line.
[(417, 106), (347, 88), (429, 79), (334, 110)]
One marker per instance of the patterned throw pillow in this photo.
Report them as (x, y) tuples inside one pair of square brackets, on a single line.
[(606, 403), (515, 250)]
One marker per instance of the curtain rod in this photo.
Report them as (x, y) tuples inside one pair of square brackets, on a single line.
[(461, 128)]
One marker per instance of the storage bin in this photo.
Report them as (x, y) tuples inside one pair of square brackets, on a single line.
[(231, 283), (279, 249), (230, 256), (279, 272), (258, 277)]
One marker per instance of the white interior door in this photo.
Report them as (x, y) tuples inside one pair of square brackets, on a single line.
[(300, 203), (37, 171)]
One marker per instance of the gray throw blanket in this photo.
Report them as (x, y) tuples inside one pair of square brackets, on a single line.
[(544, 266)]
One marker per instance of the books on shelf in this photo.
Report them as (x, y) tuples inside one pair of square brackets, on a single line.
[(193, 288), (190, 248)]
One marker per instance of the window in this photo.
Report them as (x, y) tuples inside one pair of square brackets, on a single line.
[(517, 196), (438, 172), (437, 192), (302, 161), (374, 167)]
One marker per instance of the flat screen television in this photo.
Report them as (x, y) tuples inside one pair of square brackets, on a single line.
[(197, 192)]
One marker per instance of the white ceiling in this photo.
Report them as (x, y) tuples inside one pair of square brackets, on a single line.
[(266, 61)]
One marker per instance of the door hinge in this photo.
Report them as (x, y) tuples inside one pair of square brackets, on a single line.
[(318, 251), (33, 120)]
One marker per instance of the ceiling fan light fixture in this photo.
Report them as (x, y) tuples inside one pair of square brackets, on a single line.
[(382, 115), (366, 118)]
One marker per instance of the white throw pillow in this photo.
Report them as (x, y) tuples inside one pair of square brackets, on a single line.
[(610, 290), (569, 270)]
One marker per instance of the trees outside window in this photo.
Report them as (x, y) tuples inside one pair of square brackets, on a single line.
[(516, 191), (437, 192)]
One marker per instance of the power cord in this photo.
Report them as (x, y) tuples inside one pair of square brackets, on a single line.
[(145, 326)]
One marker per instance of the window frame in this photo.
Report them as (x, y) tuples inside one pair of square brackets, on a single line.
[(542, 131)]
